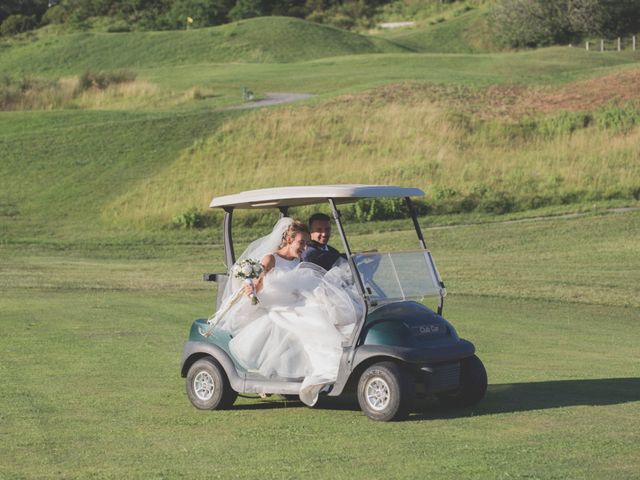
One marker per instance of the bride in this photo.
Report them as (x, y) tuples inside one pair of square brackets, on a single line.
[(304, 314)]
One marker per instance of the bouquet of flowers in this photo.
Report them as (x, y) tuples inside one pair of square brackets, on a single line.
[(248, 270)]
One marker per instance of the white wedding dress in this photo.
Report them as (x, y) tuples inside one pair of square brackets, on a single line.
[(297, 329)]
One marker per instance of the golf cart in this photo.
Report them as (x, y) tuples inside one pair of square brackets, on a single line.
[(399, 349)]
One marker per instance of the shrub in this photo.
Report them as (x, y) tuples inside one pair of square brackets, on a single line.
[(55, 15), (563, 123), (247, 9), (376, 209), (118, 27), (28, 93), (618, 118), (497, 202), (529, 23), (15, 24), (101, 80), (192, 219), (9, 95), (532, 23)]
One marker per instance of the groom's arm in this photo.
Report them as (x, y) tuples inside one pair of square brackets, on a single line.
[(308, 254)]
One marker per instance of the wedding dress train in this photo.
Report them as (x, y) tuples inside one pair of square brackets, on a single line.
[(298, 328)]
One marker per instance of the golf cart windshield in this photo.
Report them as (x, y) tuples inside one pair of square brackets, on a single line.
[(390, 277)]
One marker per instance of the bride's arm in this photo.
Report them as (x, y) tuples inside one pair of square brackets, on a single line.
[(267, 262)]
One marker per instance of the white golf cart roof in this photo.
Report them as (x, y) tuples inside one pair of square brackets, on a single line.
[(308, 195)]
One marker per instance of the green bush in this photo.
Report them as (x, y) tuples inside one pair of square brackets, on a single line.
[(247, 9), (118, 27), (533, 23), (563, 123), (101, 80), (497, 202), (379, 209), (203, 13), (194, 219), (28, 93), (55, 15), (9, 95), (15, 24), (619, 118)]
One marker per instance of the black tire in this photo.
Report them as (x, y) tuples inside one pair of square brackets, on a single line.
[(473, 385), (385, 392), (290, 397), (208, 387)]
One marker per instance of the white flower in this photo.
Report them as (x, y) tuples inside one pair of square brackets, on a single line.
[(247, 270)]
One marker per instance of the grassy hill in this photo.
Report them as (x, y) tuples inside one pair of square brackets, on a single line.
[(469, 128), (461, 31), (100, 283), (262, 40)]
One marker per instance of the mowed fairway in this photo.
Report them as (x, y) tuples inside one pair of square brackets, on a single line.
[(91, 341)]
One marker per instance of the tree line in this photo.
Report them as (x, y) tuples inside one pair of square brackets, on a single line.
[(178, 14), (514, 23), (533, 23)]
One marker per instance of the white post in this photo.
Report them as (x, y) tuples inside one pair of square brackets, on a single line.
[(619, 44), (602, 45), (587, 46)]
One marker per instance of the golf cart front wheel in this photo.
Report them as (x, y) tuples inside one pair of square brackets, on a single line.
[(384, 392), (473, 385), (208, 387)]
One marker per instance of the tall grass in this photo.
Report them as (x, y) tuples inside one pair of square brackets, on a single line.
[(89, 90), (33, 93), (464, 163)]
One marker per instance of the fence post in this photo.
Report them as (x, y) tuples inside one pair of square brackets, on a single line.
[(587, 46), (619, 44), (602, 45)]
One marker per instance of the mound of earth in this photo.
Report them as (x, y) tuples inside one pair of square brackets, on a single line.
[(510, 101)]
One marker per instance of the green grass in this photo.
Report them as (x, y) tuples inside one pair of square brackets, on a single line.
[(402, 137), (466, 32), (92, 336), (147, 163), (86, 159), (98, 289), (267, 39)]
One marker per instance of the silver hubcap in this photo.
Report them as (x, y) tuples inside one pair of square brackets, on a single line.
[(203, 385), (377, 393)]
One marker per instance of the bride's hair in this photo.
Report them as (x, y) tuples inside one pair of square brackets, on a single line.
[(295, 228)]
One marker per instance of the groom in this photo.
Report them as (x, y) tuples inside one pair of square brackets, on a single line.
[(318, 251)]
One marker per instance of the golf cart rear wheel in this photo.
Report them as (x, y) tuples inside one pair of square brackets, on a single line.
[(208, 387), (473, 384), (385, 392)]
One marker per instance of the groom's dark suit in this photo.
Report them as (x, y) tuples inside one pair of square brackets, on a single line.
[(324, 256)]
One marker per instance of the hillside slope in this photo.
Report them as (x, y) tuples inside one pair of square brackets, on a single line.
[(467, 32), (80, 171), (259, 40)]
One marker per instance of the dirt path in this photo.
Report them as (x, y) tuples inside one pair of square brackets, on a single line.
[(273, 98)]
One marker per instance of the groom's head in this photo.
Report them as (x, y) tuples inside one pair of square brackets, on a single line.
[(320, 228)]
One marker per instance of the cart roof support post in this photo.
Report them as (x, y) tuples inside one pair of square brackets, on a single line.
[(416, 224), (229, 255), (354, 272), (284, 211)]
